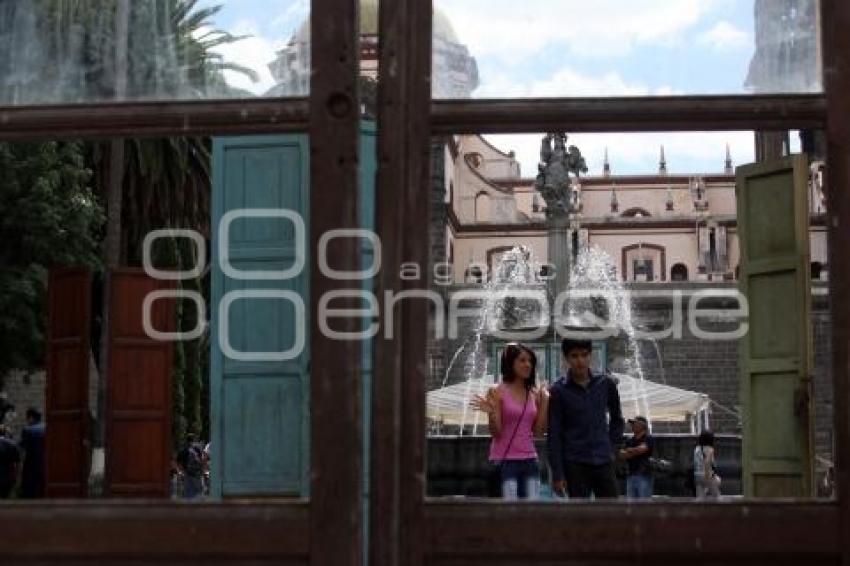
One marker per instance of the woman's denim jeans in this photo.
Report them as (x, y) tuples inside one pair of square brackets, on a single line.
[(520, 479), (639, 487)]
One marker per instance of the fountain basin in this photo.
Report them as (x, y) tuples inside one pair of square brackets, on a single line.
[(457, 466)]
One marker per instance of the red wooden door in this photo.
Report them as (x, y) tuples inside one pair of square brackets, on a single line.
[(138, 450), (67, 405)]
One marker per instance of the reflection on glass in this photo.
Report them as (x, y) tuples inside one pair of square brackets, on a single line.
[(651, 216), (62, 51), (557, 48), (180, 418)]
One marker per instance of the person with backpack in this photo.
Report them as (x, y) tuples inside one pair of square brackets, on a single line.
[(516, 412), (191, 464), (706, 478)]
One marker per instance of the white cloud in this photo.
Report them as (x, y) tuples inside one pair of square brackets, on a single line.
[(629, 153), (254, 52), (565, 82), (293, 15), (513, 31), (725, 36), (638, 153)]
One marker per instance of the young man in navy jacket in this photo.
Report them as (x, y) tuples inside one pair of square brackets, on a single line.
[(585, 427)]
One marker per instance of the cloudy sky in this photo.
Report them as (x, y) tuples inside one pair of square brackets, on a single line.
[(541, 48)]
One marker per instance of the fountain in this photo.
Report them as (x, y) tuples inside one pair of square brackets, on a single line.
[(585, 298), (515, 270), (597, 304), (578, 270), (600, 304)]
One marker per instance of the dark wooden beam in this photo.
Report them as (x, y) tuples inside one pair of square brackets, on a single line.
[(335, 375), (836, 41), (135, 119), (150, 531), (639, 114), (400, 368), (486, 533)]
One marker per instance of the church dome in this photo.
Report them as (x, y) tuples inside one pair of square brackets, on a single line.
[(454, 71)]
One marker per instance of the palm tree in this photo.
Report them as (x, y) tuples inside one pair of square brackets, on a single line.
[(66, 51), (166, 182)]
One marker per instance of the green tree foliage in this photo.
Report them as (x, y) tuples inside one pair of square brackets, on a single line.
[(66, 51), (49, 217)]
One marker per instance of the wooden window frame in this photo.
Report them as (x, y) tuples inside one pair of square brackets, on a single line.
[(404, 527), (413, 530), (327, 529)]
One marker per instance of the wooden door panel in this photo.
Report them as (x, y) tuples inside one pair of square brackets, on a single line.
[(141, 375), (259, 407), (67, 402), (261, 455), (776, 355), (138, 389)]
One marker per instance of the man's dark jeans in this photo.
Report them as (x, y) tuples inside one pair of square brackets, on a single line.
[(584, 479)]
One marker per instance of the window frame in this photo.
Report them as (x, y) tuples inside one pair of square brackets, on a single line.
[(788, 531), (288, 531), (404, 527)]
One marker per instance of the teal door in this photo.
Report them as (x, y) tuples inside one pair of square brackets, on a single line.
[(259, 325), (259, 405)]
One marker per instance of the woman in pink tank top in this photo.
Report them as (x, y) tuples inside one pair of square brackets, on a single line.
[(516, 412)]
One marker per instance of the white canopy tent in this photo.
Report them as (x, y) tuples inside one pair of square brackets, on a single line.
[(450, 405)]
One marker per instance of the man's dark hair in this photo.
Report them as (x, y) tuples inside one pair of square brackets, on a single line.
[(33, 414), (569, 344), (706, 438), (509, 356)]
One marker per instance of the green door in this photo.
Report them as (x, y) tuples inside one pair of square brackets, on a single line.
[(260, 326), (259, 413), (775, 355)]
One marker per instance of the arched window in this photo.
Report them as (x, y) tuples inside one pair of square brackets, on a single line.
[(482, 207), (679, 272), (636, 212)]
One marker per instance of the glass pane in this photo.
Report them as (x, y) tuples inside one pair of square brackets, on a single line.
[(95, 50), (207, 397), (637, 226), (568, 48)]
